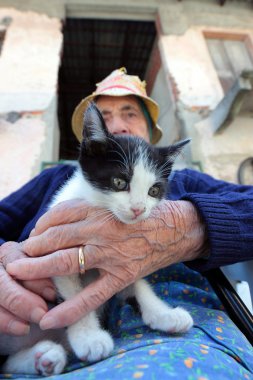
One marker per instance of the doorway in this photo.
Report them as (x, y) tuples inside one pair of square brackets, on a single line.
[(92, 49)]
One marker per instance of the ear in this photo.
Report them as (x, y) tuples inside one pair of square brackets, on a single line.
[(171, 152), (95, 133), (175, 149)]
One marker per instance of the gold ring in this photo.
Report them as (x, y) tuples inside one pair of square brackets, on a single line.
[(81, 259)]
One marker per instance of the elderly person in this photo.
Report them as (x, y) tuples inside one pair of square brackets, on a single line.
[(206, 223)]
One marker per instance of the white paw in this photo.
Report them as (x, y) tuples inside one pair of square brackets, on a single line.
[(95, 346), (50, 358), (175, 320)]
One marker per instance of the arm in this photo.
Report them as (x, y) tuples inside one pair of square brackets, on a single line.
[(226, 210), (21, 209)]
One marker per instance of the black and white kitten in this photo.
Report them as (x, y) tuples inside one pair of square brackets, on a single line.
[(128, 177)]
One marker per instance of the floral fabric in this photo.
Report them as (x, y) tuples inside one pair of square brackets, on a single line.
[(213, 349)]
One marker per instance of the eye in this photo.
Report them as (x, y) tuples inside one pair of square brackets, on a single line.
[(154, 191), (131, 114), (119, 184)]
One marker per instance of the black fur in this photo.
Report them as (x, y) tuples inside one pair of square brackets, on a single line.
[(103, 155)]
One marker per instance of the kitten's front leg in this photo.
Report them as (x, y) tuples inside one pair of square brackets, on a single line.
[(88, 340), (157, 314), (86, 337)]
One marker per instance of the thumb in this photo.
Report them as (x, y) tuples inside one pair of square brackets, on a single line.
[(89, 299)]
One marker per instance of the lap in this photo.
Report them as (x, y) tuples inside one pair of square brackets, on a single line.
[(213, 348)]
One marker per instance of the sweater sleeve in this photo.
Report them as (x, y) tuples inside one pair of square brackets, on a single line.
[(20, 210), (227, 211)]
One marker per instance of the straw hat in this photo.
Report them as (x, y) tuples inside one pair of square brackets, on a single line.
[(118, 83)]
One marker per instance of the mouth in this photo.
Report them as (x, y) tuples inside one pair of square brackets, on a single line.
[(138, 218), (128, 219), (131, 219)]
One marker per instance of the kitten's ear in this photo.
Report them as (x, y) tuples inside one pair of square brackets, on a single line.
[(171, 152), (95, 133), (175, 149)]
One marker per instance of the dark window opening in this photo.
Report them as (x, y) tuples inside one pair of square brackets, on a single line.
[(4, 23), (92, 49), (2, 36)]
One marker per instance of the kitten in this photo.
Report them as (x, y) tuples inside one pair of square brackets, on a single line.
[(128, 177)]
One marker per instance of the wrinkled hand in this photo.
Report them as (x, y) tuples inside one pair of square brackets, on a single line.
[(18, 302), (122, 253)]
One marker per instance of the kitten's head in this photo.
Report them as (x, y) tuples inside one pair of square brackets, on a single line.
[(125, 174)]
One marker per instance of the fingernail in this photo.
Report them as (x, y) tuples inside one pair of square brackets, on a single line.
[(10, 268), (37, 314), (18, 328), (49, 294), (47, 323)]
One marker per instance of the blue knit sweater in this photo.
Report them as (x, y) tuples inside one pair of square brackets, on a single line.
[(226, 208)]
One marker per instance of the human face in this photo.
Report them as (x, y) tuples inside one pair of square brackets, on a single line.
[(123, 115)]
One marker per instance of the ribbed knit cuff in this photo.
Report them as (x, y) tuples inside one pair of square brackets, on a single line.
[(222, 229)]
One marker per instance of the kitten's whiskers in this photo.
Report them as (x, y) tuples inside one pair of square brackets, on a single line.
[(125, 158)]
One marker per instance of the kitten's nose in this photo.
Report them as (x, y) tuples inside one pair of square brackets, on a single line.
[(138, 211)]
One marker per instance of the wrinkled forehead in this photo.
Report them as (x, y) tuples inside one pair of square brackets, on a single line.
[(111, 103)]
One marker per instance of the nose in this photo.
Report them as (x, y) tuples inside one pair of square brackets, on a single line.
[(117, 126), (138, 211)]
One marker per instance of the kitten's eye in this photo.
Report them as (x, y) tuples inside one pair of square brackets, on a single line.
[(154, 191), (119, 184)]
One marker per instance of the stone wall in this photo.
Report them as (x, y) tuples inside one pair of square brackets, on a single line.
[(29, 63), (198, 92)]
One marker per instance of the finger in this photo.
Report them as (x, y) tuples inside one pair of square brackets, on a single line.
[(64, 213), (20, 301), (59, 263), (11, 251), (9, 324), (75, 308), (44, 288), (56, 238)]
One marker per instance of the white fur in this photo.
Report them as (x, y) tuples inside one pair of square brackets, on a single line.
[(86, 337), (45, 357), (119, 203), (156, 313), (122, 202)]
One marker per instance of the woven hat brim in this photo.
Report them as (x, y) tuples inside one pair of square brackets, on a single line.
[(77, 118)]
